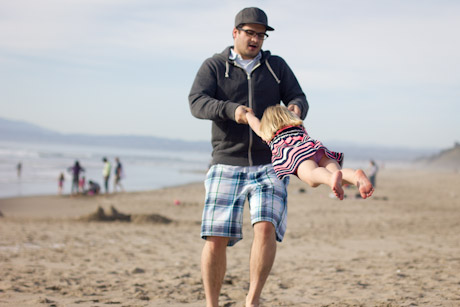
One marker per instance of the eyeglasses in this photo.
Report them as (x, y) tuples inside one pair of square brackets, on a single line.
[(250, 33)]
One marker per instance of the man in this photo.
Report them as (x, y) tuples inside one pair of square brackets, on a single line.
[(118, 175), (240, 79), (19, 169), (373, 172), (106, 173), (76, 169)]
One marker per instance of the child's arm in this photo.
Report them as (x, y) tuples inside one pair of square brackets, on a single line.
[(253, 122)]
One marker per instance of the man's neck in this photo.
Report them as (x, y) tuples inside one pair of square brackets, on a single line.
[(247, 64), (235, 55)]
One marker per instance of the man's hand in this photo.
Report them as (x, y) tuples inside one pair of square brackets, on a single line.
[(295, 109), (240, 114)]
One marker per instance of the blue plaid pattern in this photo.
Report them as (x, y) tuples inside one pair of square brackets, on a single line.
[(227, 188)]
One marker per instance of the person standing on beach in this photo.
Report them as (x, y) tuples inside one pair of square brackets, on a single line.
[(373, 170), (19, 169), (61, 180), (240, 79), (118, 175), (106, 173), (75, 170)]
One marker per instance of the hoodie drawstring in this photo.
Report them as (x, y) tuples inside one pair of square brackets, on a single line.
[(273, 73), (226, 69)]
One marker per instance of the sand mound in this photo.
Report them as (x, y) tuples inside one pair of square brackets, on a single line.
[(151, 218), (101, 216), (115, 215)]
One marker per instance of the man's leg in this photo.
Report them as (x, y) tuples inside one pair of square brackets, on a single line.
[(213, 266), (263, 253)]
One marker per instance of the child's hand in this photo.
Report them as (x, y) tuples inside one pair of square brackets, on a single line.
[(295, 109)]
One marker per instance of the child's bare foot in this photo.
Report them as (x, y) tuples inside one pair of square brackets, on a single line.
[(336, 184), (363, 183)]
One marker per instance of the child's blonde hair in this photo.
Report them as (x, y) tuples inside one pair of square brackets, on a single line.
[(275, 118)]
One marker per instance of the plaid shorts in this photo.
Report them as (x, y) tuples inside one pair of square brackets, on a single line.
[(227, 188)]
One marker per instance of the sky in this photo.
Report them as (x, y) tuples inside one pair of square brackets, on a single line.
[(375, 72)]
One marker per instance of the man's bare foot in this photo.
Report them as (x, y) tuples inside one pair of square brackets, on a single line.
[(249, 304), (336, 184), (363, 183)]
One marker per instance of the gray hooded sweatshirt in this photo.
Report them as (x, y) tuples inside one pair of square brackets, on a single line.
[(221, 86)]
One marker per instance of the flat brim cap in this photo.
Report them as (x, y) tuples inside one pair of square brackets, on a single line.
[(252, 15)]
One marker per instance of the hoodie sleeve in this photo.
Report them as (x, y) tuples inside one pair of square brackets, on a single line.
[(202, 103), (291, 91)]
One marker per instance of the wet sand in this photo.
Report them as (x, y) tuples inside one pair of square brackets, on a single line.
[(401, 247)]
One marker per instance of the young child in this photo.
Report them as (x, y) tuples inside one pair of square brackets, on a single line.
[(81, 184), (294, 152)]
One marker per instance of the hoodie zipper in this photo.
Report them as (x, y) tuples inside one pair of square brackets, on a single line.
[(250, 100)]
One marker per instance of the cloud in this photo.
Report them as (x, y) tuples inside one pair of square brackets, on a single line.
[(107, 28), (397, 43), (365, 54)]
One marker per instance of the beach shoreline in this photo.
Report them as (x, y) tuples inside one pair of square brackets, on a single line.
[(395, 249)]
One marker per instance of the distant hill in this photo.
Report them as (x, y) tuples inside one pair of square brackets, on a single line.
[(449, 158), (11, 129), (20, 131), (25, 132)]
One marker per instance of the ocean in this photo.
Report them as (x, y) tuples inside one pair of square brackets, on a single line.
[(143, 169)]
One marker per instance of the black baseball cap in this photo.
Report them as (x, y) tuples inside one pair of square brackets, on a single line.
[(252, 15)]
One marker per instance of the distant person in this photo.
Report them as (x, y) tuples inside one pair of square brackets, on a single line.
[(373, 170), (93, 188), (106, 174), (19, 169), (75, 171), (61, 180), (81, 184), (294, 152), (118, 175)]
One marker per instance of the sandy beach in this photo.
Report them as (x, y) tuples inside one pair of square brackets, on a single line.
[(401, 247)]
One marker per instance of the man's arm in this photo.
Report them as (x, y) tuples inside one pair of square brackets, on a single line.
[(202, 103), (292, 94)]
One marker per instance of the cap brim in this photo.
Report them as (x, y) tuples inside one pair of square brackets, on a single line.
[(267, 27)]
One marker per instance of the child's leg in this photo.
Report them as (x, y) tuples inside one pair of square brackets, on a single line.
[(310, 173), (333, 167), (350, 176), (359, 179)]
